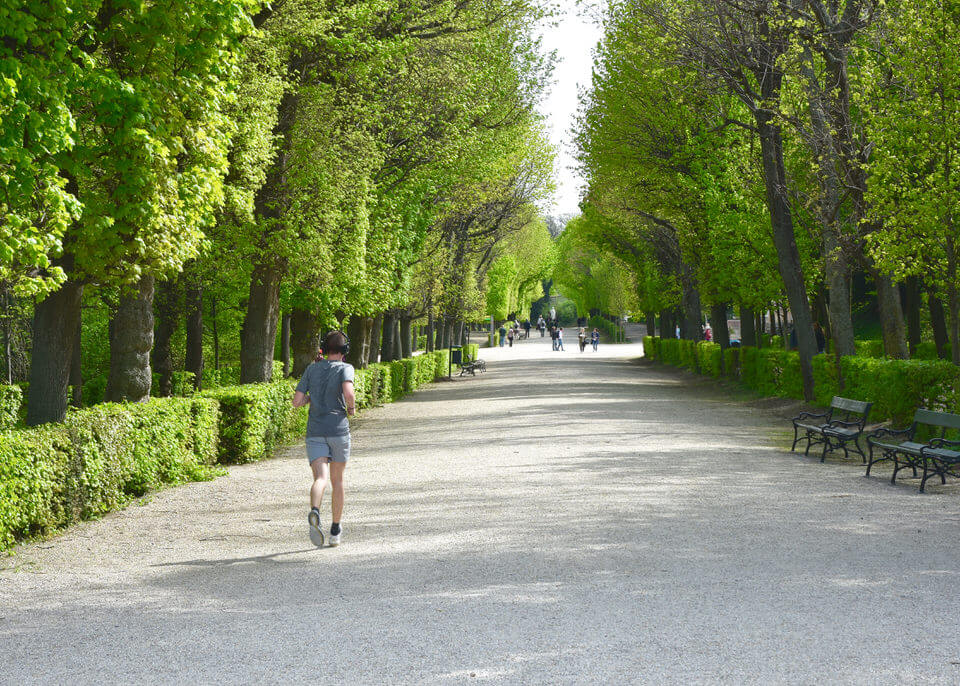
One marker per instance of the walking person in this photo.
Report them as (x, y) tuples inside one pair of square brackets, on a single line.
[(595, 339), (503, 334), (541, 325), (582, 338), (526, 328), (327, 387), (553, 337), (510, 336), (560, 338)]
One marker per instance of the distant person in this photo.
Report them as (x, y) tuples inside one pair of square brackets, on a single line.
[(510, 337), (595, 339), (503, 335), (707, 332), (582, 338), (821, 338), (553, 314), (560, 338), (678, 331), (553, 337), (327, 387), (541, 325), (526, 328)]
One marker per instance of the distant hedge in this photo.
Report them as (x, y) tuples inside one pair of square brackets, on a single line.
[(102, 457), (895, 387)]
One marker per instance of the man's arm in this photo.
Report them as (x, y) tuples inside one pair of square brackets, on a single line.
[(300, 399), (349, 398)]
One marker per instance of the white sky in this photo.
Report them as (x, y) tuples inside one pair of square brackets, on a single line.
[(574, 38)]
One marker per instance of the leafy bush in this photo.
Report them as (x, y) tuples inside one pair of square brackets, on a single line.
[(825, 382), (605, 326), (99, 459), (926, 351), (731, 362), (868, 348), (11, 397), (898, 387), (422, 342), (708, 358), (255, 419)]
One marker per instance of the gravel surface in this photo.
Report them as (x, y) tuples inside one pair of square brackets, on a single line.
[(563, 518)]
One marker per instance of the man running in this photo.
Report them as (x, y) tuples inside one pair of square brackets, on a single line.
[(327, 387)]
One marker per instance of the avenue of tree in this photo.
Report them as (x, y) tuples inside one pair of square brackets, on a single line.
[(189, 182), (747, 152)]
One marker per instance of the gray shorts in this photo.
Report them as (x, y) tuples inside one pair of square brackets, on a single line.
[(333, 448)]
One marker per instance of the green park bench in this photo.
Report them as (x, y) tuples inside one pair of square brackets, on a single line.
[(839, 426), (937, 456)]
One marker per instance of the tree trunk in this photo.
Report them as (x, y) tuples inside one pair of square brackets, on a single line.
[(721, 332), (166, 314), (938, 324), (76, 368), (285, 343), (891, 317), (406, 341), (690, 328), (131, 340), (358, 331), (386, 346), (56, 320), (667, 327), (216, 333), (788, 256), (304, 339), (431, 336), (193, 300), (258, 335), (397, 345), (748, 326), (651, 322), (911, 303), (376, 335)]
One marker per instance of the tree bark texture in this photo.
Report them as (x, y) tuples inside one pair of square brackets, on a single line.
[(376, 335), (285, 343), (258, 335), (166, 315), (911, 306), (891, 317), (748, 326), (397, 344), (406, 337), (358, 330), (651, 322), (788, 256), (939, 325), (386, 344), (690, 328), (131, 340), (56, 320), (193, 301), (76, 368), (304, 339)]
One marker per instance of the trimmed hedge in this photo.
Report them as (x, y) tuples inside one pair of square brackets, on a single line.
[(11, 397), (895, 387), (100, 458), (604, 325), (255, 419)]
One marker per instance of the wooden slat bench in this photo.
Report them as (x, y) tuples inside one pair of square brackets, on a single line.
[(938, 456), (842, 424)]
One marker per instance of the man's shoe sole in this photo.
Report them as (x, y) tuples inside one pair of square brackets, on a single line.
[(316, 534)]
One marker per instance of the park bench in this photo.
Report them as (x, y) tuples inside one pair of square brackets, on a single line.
[(473, 367), (937, 456), (841, 424)]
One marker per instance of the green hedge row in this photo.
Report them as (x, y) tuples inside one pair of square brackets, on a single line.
[(605, 326), (98, 459), (895, 387), (101, 457)]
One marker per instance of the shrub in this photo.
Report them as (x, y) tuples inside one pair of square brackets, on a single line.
[(422, 342), (825, 382), (99, 459), (709, 358), (898, 387), (731, 362), (93, 390), (471, 351), (11, 397), (398, 381), (605, 326), (255, 419), (926, 351), (868, 348), (649, 351)]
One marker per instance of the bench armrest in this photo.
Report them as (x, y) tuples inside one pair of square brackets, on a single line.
[(877, 433), (809, 415)]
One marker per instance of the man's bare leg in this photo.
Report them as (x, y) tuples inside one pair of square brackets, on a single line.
[(336, 489)]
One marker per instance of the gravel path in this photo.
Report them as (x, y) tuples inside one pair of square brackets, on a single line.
[(564, 518)]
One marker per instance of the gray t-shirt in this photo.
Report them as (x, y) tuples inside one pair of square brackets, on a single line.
[(323, 382)]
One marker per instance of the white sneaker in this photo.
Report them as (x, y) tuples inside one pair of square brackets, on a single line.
[(316, 533), (335, 538)]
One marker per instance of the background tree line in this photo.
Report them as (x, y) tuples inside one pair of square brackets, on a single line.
[(765, 153), (207, 185)]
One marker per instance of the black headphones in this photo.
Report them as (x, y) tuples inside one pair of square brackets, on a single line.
[(345, 349)]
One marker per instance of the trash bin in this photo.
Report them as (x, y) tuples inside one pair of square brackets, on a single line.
[(456, 355)]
